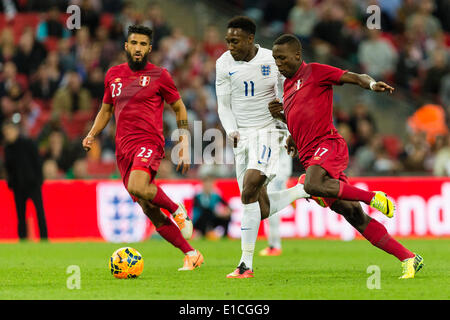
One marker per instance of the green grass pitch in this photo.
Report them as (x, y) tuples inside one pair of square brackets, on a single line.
[(307, 269)]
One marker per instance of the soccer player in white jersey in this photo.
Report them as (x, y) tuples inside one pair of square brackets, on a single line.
[(277, 184), (247, 79)]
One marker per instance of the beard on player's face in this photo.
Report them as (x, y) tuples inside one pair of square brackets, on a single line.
[(136, 64)]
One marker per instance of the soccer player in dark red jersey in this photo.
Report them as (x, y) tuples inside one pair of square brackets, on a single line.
[(307, 110), (135, 93)]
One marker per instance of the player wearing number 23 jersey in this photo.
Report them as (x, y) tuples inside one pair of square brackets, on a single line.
[(138, 98)]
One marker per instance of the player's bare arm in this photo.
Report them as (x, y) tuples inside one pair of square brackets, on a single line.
[(276, 110), (182, 122), (365, 81), (101, 120)]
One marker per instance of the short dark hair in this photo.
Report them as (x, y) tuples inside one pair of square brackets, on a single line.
[(140, 29), (244, 23), (290, 39)]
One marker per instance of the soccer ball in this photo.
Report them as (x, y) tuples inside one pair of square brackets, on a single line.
[(126, 263)]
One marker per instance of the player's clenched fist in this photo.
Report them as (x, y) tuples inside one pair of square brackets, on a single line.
[(87, 142), (276, 108)]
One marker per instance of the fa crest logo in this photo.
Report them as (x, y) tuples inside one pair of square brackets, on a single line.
[(119, 218), (265, 70), (144, 81)]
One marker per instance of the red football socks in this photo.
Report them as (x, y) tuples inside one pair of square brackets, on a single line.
[(163, 201), (377, 234), (172, 234), (349, 192)]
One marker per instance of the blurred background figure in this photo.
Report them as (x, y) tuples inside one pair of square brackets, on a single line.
[(211, 213), (24, 176)]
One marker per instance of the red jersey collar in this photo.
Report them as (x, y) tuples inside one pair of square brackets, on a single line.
[(300, 70)]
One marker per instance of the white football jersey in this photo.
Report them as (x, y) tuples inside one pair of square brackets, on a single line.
[(252, 86)]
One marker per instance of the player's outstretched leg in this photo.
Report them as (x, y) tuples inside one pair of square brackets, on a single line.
[(139, 186), (172, 234), (320, 185), (377, 234), (279, 200)]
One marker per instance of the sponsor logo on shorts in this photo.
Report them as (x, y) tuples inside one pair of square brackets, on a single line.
[(316, 158)]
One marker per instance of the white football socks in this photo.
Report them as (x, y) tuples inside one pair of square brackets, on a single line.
[(274, 232), (281, 199), (249, 232)]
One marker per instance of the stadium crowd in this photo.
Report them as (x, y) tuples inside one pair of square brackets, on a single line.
[(52, 77)]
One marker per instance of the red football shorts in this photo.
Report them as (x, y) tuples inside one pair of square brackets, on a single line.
[(332, 155), (147, 158)]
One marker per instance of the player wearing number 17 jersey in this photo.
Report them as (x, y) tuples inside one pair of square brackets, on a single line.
[(307, 110), (135, 93), (246, 81)]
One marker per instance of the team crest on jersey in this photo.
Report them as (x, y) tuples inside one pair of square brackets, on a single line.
[(265, 70), (144, 81)]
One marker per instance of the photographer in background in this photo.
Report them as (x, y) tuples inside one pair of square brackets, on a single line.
[(24, 175)]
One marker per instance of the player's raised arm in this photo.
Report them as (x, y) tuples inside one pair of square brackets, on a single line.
[(182, 122), (101, 120), (365, 81)]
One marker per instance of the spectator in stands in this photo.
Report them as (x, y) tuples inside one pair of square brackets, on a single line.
[(302, 19), (24, 176), (416, 151), (377, 57), (210, 211), (410, 62), (44, 83), (66, 56), (444, 93), (95, 84), (439, 69), (361, 112), (52, 26), (173, 49), (72, 97), (12, 83), (50, 170), (89, 16), (213, 44), (59, 149), (7, 45), (424, 18), (30, 53), (328, 33), (442, 156), (160, 26), (109, 48)]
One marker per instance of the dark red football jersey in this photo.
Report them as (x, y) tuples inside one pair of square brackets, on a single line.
[(138, 98), (308, 104)]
